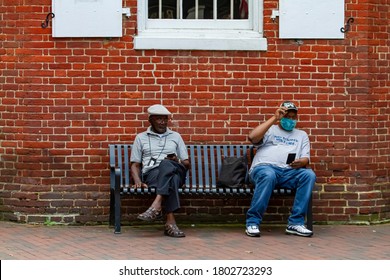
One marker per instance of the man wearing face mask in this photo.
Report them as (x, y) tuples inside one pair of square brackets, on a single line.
[(159, 159), (283, 152)]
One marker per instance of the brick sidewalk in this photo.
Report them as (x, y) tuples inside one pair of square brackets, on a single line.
[(339, 242)]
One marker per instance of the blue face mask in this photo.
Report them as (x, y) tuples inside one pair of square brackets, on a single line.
[(288, 124)]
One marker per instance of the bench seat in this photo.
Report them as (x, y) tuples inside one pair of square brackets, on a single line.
[(206, 161)]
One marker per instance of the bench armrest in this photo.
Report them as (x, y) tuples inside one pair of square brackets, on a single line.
[(113, 173)]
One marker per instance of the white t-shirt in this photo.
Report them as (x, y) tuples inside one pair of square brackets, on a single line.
[(278, 143)]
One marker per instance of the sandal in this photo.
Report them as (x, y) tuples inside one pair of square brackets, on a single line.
[(173, 231), (150, 215)]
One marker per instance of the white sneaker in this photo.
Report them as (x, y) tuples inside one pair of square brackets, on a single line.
[(300, 230), (252, 231)]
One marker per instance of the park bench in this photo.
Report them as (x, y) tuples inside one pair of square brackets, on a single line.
[(206, 161)]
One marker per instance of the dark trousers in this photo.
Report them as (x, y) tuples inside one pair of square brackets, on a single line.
[(167, 178)]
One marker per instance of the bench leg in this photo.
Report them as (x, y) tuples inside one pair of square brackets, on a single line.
[(117, 202), (309, 218), (111, 220)]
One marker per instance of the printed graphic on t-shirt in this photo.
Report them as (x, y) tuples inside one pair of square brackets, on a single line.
[(286, 141)]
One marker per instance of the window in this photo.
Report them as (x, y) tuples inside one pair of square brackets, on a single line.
[(200, 25), (198, 9)]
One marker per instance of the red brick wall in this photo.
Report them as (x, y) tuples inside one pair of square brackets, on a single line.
[(64, 100)]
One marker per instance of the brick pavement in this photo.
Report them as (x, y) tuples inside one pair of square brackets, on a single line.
[(203, 242)]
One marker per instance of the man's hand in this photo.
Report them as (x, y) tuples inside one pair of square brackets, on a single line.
[(135, 168), (139, 184), (299, 163), (280, 112), (172, 157)]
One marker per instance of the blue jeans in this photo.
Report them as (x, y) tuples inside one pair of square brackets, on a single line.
[(266, 177)]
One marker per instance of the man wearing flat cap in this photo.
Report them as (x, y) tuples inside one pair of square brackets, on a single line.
[(283, 153), (159, 159)]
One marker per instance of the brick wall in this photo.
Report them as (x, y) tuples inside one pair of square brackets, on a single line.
[(64, 100)]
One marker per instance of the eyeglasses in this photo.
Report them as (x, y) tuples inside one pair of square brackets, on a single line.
[(161, 119)]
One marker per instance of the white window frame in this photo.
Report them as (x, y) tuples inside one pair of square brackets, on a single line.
[(188, 34)]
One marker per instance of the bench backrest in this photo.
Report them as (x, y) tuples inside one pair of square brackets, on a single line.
[(206, 161)]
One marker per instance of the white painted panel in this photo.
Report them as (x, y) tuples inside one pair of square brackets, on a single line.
[(311, 19), (87, 18)]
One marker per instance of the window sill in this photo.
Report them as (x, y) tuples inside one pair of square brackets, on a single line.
[(200, 40)]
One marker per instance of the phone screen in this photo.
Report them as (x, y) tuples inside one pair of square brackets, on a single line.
[(290, 158)]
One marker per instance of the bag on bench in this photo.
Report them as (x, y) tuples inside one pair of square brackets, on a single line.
[(233, 172)]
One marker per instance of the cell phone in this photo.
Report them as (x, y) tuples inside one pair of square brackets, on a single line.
[(171, 155), (290, 158)]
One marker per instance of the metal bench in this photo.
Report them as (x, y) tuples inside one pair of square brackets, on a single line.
[(206, 161)]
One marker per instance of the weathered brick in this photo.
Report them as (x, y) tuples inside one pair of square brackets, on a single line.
[(64, 100)]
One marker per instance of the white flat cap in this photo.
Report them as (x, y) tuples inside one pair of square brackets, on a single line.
[(158, 109)]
